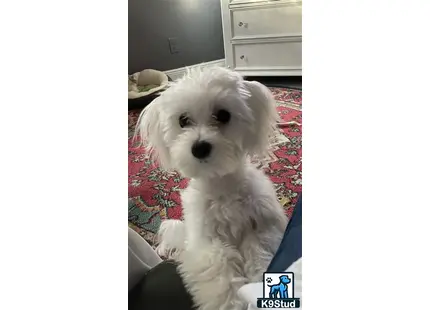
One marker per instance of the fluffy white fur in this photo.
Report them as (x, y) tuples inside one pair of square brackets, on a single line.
[(233, 222)]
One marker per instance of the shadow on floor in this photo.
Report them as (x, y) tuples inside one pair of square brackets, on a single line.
[(294, 82)]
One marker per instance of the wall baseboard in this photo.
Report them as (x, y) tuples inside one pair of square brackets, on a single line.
[(175, 74)]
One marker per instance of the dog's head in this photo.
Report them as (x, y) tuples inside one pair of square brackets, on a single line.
[(205, 124), (284, 279)]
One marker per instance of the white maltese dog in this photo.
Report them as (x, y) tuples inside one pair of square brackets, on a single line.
[(207, 126)]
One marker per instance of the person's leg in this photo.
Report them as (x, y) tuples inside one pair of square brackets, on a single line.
[(141, 258), (160, 289), (290, 249), (153, 284)]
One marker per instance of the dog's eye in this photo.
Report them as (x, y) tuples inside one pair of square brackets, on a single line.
[(222, 116), (184, 121)]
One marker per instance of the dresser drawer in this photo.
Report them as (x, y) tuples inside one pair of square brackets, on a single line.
[(280, 20), (276, 55)]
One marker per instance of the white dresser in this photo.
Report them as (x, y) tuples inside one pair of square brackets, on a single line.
[(263, 37)]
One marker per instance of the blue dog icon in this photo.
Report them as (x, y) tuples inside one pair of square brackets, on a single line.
[(280, 289)]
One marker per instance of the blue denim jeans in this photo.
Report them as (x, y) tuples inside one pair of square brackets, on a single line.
[(290, 249)]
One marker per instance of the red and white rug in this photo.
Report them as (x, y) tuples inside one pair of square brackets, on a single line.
[(154, 194)]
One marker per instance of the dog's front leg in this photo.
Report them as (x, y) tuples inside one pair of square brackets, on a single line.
[(282, 292), (213, 277)]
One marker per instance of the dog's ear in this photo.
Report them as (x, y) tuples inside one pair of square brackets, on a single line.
[(260, 100), (149, 128)]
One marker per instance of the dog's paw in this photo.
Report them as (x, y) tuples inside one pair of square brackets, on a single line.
[(171, 239), (166, 253)]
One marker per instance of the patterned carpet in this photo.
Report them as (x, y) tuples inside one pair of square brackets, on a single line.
[(154, 194)]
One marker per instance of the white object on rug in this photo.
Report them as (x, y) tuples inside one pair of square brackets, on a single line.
[(146, 77)]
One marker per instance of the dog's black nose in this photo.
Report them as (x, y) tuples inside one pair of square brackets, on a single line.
[(201, 149)]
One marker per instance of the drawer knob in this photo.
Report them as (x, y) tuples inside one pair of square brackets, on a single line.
[(242, 57), (242, 24)]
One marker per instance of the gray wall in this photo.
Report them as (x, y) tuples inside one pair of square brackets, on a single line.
[(195, 23)]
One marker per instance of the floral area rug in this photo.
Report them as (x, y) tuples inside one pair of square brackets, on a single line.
[(154, 194)]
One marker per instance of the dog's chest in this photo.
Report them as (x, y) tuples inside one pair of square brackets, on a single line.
[(228, 220)]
